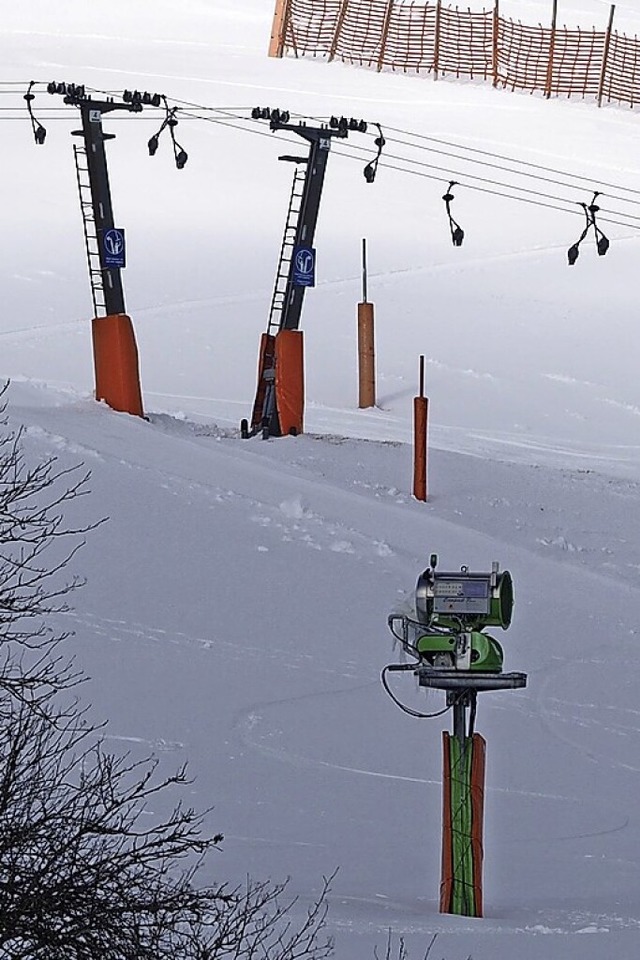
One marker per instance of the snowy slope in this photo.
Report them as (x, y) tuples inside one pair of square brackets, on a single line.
[(246, 631), (235, 611)]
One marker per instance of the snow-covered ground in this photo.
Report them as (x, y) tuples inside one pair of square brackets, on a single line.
[(235, 611)]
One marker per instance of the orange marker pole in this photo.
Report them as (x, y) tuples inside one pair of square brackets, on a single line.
[(366, 343), (420, 422)]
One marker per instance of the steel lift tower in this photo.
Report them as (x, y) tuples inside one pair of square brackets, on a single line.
[(278, 405), (114, 345)]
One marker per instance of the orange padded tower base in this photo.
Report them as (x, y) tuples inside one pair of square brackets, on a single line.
[(115, 357), (290, 381)]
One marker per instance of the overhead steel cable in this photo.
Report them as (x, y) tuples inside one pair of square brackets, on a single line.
[(566, 175), (524, 163), (571, 208), (235, 113), (351, 151), (522, 173), (238, 118)]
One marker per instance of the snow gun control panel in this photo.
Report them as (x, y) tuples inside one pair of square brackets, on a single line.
[(477, 600)]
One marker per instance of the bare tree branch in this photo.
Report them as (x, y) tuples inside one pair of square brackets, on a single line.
[(83, 876)]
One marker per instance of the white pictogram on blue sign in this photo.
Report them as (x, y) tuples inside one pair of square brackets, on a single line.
[(113, 248), (304, 267)]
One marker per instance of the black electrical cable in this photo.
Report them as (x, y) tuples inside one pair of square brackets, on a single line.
[(472, 714), (408, 710)]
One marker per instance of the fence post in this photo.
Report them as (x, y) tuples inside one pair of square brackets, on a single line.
[(385, 33), (279, 27), (605, 55), (436, 46), (552, 47), (496, 28), (336, 34)]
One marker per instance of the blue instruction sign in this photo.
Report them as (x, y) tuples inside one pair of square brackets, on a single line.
[(304, 267), (113, 248)]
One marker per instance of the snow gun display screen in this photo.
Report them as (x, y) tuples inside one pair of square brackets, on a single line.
[(462, 595)]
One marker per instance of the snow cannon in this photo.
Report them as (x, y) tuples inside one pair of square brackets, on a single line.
[(455, 608), (446, 634)]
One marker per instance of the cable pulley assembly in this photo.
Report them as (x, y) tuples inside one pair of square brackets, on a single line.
[(74, 91), (146, 99), (273, 114), (372, 168), (602, 242), (457, 233), (348, 123)]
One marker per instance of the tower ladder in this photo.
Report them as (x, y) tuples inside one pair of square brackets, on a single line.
[(281, 286), (90, 231)]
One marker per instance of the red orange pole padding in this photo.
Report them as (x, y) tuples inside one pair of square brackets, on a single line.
[(115, 357), (478, 764), (289, 348)]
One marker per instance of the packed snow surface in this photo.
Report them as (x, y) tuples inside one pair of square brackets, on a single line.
[(236, 604)]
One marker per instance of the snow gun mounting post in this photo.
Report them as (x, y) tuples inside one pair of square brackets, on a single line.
[(279, 403), (114, 345), (446, 637)]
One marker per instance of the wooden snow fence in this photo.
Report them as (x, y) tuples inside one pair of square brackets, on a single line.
[(445, 41)]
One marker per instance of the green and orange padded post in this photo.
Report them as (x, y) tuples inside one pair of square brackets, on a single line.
[(462, 824), (446, 637)]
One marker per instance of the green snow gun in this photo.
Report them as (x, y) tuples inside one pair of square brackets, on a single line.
[(452, 611), (446, 638)]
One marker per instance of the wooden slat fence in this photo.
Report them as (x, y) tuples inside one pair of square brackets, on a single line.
[(361, 34), (310, 27), (411, 36), (522, 56), (464, 43), (418, 36), (577, 63), (621, 81)]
